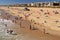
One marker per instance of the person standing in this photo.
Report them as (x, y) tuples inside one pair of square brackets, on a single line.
[(30, 27), (6, 25)]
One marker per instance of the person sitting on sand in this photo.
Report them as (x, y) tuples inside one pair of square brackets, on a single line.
[(16, 18), (41, 10), (56, 21), (9, 31), (56, 12)]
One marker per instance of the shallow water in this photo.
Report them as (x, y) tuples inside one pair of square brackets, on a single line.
[(3, 33)]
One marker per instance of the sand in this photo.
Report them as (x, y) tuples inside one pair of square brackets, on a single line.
[(44, 21)]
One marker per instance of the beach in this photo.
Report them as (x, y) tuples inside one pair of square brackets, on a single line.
[(35, 24)]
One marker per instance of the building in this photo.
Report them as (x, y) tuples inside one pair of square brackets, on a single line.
[(44, 4), (39, 4)]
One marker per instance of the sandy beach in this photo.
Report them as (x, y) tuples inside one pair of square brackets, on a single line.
[(36, 24)]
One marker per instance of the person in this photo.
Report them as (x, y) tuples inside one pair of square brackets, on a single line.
[(20, 24), (6, 25), (9, 31), (16, 18), (26, 9), (45, 22), (59, 26), (8, 6), (41, 10), (46, 16), (56, 21), (26, 16), (44, 31), (38, 17), (12, 20), (56, 12), (30, 27)]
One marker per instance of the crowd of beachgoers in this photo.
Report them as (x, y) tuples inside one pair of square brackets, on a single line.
[(43, 19), (34, 18)]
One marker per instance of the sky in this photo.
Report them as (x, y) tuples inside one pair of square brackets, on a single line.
[(7, 2)]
